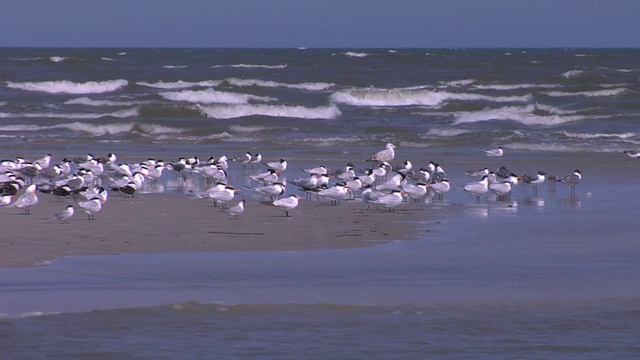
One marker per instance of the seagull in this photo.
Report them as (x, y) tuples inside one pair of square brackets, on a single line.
[(478, 188), (269, 177), (499, 151), (440, 187), (415, 192), (287, 203), (535, 180), (390, 201), (224, 196), (385, 155), (64, 215), (5, 200), (320, 170), (90, 207), (369, 195), (480, 172), (572, 180), (632, 154), (277, 165), (128, 190), (335, 193), (272, 191), (27, 200), (501, 189), (396, 181), (237, 209)]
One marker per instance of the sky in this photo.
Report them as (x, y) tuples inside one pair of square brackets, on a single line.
[(320, 23)]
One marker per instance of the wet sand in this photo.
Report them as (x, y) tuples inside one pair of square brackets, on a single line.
[(156, 223)]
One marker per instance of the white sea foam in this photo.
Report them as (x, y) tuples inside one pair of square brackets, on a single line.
[(92, 102), (179, 84), (460, 83), (354, 54), (445, 132), (310, 86), (118, 114), (175, 66), (521, 114), (158, 129), (300, 112), (507, 87), (594, 93), (96, 129), (3, 103), (107, 59), (247, 129), (252, 66), (210, 96), (572, 74), (413, 98), (69, 87), (57, 59), (622, 136)]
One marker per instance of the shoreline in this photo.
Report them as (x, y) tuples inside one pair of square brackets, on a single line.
[(166, 223)]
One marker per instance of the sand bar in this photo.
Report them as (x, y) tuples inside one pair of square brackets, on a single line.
[(154, 223)]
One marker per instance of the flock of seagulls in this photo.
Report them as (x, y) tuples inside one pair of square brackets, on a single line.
[(88, 180)]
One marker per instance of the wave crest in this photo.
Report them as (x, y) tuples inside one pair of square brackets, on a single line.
[(70, 87), (210, 96), (300, 112)]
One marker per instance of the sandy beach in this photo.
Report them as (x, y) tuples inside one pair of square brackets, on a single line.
[(154, 223)]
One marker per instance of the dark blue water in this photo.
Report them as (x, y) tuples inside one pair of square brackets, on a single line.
[(550, 276)]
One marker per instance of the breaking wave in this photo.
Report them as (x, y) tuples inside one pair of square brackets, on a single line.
[(310, 86), (96, 129), (252, 66), (354, 54), (92, 102), (595, 93), (413, 98), (179, 84), (117, 114), (300, 112), (210, 96), (70, 87), (522, 114)]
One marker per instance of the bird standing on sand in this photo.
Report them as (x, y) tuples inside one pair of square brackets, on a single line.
[(385, 155), (27, 200), (90, 207), (237, 209), (390, 201), (286, 204), (64, 215)]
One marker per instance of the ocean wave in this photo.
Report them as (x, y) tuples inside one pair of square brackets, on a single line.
[(210, 96), (175, 66), (299, 112), (587, 136), (310, 86), (69, 87), (117, 114), (507, 87), (92, 102), (57, 59), (247, 129), (522, 114), (594, 93), (3, 103), (393, 98), (446, 132), (96, 129), (354, 54), (179, 84), (252, 66)]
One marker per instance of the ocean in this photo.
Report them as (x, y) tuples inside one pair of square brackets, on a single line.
[(552, 275)]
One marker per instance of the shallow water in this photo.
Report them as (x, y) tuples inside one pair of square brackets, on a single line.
[(550, 276)]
